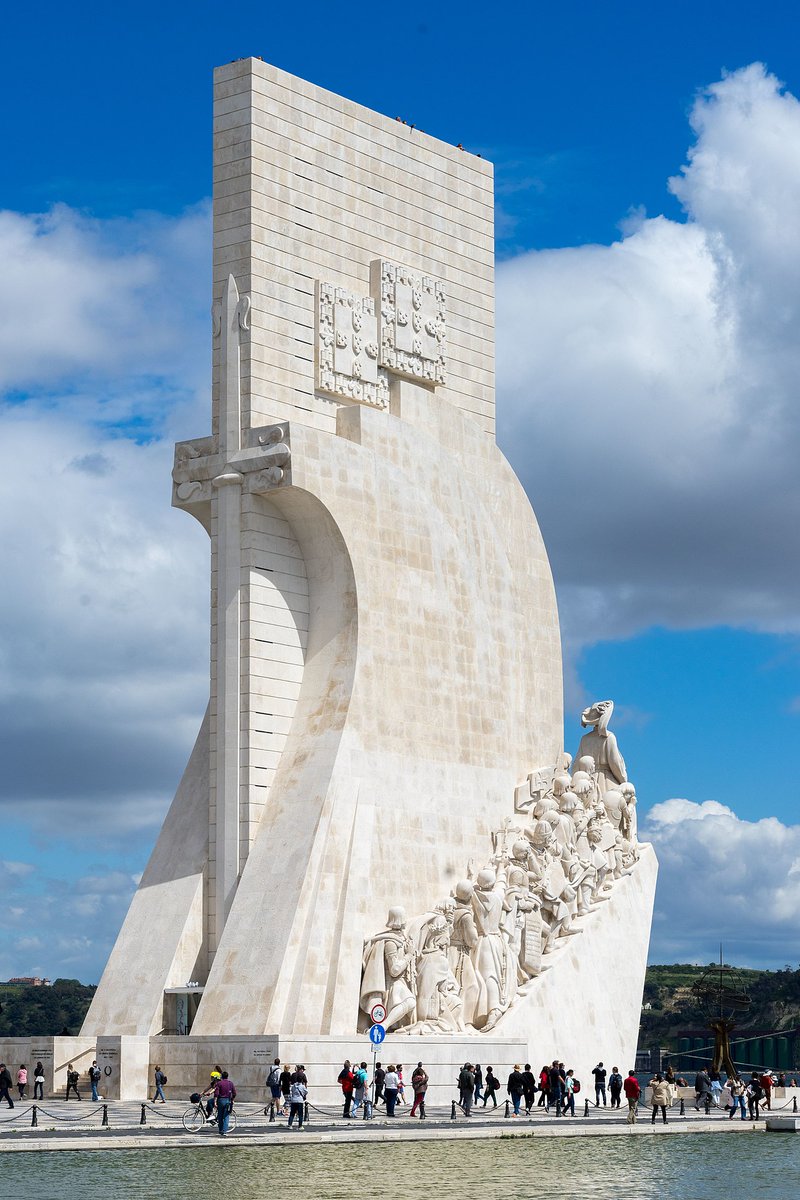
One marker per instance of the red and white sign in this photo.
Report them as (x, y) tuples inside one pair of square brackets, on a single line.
[(378, 1014)]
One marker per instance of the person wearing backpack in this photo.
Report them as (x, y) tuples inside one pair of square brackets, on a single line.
[(72, 1082), (273, 1084), (571, 1086), (360, 1093), (160, 1079), (95, 1075), (615, 1086), (490, 1087), (5, 1085)]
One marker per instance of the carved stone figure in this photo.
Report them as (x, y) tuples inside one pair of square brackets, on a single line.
[(439, 1004), (492, 958), (601, 745), (463, 941), (389, 971)]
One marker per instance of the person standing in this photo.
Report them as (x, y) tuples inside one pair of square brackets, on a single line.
[(297, 1100), (72, 1082), (273, 1084), (286, 1083), (360, 1092), (755, 1093), (478, 1083), (346, 1080), (224, 1096), (544, 1087), (615, 1086), (632, 1094), (419, 1083), (391, 1086), (737, 1089), (159, 1079), (401, 1087), (38, 1082), (702, 1090), (516, 1087), (6, 1084), (491, 1086), (766, 1083), (95, 1075), (528, 1088), (660, 1097), (22, 1080), (556, 1086), (466, 1087), (599, 1073)]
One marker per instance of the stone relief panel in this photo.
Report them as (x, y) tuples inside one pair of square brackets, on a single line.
[(412, 322), (347, 347), (463, 965)]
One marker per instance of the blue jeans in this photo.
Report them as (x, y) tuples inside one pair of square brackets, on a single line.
[(569, 1103), (738, 1102), (94, 1090), (223, 1114), (516, 1098), (158, 1096), (296, 1111), (599, 1090)]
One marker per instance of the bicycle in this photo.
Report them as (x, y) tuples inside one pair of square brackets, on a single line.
[(196, 1118)]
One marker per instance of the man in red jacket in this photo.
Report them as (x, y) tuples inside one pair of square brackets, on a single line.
[(632, 1094), (347, 1080)]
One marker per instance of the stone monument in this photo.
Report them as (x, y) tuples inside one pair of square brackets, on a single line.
[(384, 732)]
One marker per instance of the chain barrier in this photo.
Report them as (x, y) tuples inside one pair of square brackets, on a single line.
[(22, 1113), (70, 1120)]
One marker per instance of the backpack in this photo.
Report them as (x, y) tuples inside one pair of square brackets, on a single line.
[(360, 1078), (273, 1079), (576, 1086)]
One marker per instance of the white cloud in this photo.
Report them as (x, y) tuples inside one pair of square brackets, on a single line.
[(722, 879), (648, 388), (18, 870)]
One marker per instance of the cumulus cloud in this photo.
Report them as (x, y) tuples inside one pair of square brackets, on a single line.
[(648, 388), (722, 879)]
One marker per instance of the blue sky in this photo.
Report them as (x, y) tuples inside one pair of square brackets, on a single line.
[(647, 172)]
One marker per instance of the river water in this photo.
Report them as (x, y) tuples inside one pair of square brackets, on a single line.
[(691, 1167)]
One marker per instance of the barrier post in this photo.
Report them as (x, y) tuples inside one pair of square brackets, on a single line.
[(453, 1111), (586, 1108), (143, 1117), (507, 1113), (794, 1103), (305, 1113), (683, 1108), (272, 1112), (104, 1121), (34, 1118)]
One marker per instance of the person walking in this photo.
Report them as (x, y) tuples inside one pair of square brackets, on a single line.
[(273, 1085), (72, 1082), (380, 1075), (224, 1096), (38, 1082), (466, 1087), (297, 1100), (660, 1097), (755, 1093), (95, 1075), (766, 1084), (22, 1080), (391, 1086), (490, 1087), (528, 1088), (736, 1087), (556, 1096), (159, 1078), (615, 1086), (419, 1083), (599, 1073), (478, 1083), (632, 1093), (6, 1083), (716, 1089), (570, 1083), (346, 1080), (702, 1090), (516, 1088), (401, 1087)]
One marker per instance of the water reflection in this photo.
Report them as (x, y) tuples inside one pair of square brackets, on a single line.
[(692, 1167)]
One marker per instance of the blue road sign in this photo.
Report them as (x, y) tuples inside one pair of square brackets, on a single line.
[(376, 1034)]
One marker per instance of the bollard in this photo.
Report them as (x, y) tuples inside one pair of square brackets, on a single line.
[(104, 1121), (305, 1112), (34, 1118), (586, 1108), (507, 1113), (683, 1108), (271, 1113), (422, 1110), (794, 1103), (453, 1111), (143, 1117)]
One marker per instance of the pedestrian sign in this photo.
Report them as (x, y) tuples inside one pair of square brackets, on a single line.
[(376, 1034)]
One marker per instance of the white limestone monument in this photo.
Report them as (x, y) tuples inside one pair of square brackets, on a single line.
[(385, 730)]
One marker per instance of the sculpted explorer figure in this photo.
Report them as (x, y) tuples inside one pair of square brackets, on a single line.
[(601, 745), (389, 970)]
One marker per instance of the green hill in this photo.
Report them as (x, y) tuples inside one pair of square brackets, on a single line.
[(27, 1011)]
